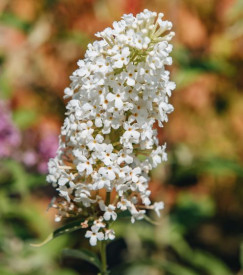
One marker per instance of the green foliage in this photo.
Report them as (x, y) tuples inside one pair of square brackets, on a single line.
[(190, 211), (83, 254), (197, 259), (21, 221), (214, 166)]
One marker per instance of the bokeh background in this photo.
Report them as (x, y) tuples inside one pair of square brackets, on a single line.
[(200, 231)]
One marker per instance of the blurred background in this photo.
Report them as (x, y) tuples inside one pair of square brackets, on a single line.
[(201, 229)]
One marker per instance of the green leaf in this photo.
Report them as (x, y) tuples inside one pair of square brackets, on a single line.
[(83, 254), (73, 226), (49, 238), (70, 227)]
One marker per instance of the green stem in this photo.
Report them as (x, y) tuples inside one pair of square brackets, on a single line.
[(108, 198), (104, 270)]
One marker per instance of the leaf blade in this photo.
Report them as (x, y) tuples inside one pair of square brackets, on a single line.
[(67, 228)]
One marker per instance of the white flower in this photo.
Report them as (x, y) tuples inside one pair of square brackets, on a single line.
[(125, 156), (64, 192), (118, 98), (86, 129), (134, 174), (140, 184), (122, 58), (145, 197), (85, 164), (107, 156), (94, 143), (108, 172), (123, 172), (109, 234), (157, 207), (142, 42), (82, 194), (158, 155), (131, 132), (100, 182), (94, 235), (137, 215), (99, 223), (124, 204), (68, 93), (109, 211), (63, 181), (130, 75)]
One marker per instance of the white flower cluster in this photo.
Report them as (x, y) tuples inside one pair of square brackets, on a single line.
[(108, 144)]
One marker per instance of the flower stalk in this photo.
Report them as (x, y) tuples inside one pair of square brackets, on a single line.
[(104, 270)]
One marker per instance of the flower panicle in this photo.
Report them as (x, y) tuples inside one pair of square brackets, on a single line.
[(108, 144)]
